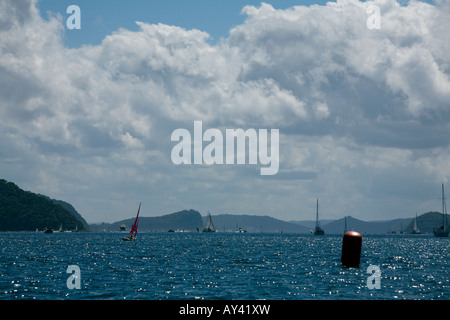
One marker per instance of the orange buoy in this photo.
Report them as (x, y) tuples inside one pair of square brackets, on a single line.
[(351, 249)]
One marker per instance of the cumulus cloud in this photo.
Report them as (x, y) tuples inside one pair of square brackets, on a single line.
[(353, 105)]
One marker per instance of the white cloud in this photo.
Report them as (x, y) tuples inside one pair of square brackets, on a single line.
[(354, 107)]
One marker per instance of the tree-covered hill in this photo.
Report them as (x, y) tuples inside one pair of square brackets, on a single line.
[(187, 220), (26, 211)]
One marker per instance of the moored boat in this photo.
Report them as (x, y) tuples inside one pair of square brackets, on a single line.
[(318, 231), (442, 231), (209, 224), (48, 230)]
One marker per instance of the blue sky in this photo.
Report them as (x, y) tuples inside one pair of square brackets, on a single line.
[(102, 17)]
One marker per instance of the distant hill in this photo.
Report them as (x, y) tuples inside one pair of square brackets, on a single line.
[(366, 227), (185, 220), (250, 223), (26, 211), (72, 210), (191, 220), (310, 224), (426, 222)]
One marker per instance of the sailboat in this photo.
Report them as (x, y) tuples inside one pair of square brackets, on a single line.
[(442, 231), (134, 228), (209, 225), (415, 228), (318, 231)]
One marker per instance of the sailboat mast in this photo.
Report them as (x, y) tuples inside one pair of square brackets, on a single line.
[(444, 218), (318, 230), (443, 230), (443, 205), (317, 213), (444, 210)]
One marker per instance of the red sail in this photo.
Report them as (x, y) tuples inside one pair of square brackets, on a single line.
[(134, 228)]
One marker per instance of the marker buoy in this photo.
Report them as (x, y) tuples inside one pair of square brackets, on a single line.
[(351, 249)]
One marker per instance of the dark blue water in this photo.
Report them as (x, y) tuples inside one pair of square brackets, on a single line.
[(219, 266)]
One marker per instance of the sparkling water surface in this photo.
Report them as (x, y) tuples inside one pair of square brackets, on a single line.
[(242, 266)]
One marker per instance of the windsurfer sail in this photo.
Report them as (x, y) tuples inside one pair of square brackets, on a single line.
[(134, 228)]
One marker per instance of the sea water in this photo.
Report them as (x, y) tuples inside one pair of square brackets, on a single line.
[(210, 266)]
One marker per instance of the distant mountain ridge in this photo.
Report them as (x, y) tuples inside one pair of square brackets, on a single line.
[(426, 222), (191, 220), (227, 222), (366, 227), (185, 220), (27, 211), (72, 210), (251, 223)]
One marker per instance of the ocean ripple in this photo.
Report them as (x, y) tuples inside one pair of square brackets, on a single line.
[(219, 266)]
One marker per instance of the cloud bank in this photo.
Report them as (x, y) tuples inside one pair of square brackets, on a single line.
[(363, 114)]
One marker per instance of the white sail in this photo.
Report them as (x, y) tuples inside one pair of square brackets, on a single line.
[(416, 227), (209, 224)]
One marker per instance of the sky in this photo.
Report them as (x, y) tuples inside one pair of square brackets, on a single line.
[(102, 17), (87, 115)]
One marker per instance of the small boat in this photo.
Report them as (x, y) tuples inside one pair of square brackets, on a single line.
[(241, 230), (48, 230), (318, 231), (442, 231), (134, 228), (209, 224)]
